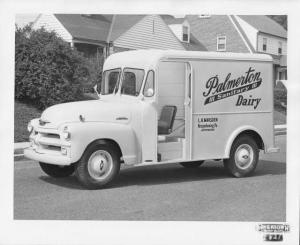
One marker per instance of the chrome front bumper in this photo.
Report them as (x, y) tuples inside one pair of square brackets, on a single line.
[(46, 158), (48, 146)]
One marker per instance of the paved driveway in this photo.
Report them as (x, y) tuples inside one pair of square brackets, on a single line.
[(168, 192)]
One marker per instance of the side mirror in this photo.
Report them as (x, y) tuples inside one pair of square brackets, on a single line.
[(149, 92)]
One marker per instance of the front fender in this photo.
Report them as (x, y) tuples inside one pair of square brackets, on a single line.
[(83, 133)]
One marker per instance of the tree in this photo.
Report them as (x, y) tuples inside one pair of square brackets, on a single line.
[(47, 70)]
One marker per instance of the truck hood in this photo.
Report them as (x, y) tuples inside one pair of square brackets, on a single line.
[(88, 111)]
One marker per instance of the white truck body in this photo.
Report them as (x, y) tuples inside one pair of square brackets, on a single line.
[(218, 96)]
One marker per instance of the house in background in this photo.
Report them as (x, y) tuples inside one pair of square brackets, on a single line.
[(86, 33), (242, 34), (182, 30), (96, 35), (105, 34), (218, 33), (266, 36)]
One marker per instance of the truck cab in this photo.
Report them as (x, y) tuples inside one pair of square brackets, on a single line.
[(159, 107)]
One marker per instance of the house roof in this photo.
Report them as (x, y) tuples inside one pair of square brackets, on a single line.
[(122, 23), (265, 24), (242, 32), (194, 44), (103, 28), (97, 27), (88, 27), (171, 20), (206, 31)]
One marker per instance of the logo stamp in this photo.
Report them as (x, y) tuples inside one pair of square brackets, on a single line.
[(273, 232)]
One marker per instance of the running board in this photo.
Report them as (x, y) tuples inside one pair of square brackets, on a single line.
[(159, 163)]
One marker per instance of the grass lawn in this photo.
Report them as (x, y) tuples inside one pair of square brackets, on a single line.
[(23, 114)]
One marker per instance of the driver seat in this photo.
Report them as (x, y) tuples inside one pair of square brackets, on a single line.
[(166, 120)]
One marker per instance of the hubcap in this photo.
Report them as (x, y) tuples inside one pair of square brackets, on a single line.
[(100, 164), (244, 156)]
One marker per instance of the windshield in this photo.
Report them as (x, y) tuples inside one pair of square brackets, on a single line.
[(132, 81), (110, 81)]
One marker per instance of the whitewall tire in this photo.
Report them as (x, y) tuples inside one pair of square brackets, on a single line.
[(243, 157), (99, 166)]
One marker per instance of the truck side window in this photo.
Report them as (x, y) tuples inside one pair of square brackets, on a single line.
[(149, 84), (129, 83), (112, 81)]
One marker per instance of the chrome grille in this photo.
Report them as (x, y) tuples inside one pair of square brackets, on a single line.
[(50, 135), (47, 140)]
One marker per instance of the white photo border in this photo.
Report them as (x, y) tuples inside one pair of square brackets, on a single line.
[(142, 232)]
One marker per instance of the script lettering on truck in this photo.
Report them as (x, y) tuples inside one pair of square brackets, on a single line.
[(217, 90)]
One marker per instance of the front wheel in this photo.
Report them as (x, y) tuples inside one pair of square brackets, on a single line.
[(57, 171), (98, 166), (243, 157)]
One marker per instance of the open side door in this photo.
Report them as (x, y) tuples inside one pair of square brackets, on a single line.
[(173, 76)]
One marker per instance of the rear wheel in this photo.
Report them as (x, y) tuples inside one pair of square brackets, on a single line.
[(99, 165), (243, 157), (57, 171), (192, 164)]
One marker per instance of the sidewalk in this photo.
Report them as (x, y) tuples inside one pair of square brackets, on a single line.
[(19, 150), (19, 147)]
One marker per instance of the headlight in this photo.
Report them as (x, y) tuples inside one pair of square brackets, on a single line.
[(66, 134), (29, 127)]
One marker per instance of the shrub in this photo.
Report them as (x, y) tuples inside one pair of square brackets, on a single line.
[(94, 65), (47, 70), (280, 98), (23, 114)]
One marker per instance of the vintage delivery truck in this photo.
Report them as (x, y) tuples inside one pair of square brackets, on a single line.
[(158, 107)]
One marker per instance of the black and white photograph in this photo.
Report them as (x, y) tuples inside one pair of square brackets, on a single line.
[(142, 125)]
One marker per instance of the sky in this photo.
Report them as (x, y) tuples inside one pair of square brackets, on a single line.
[(24, 19)]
